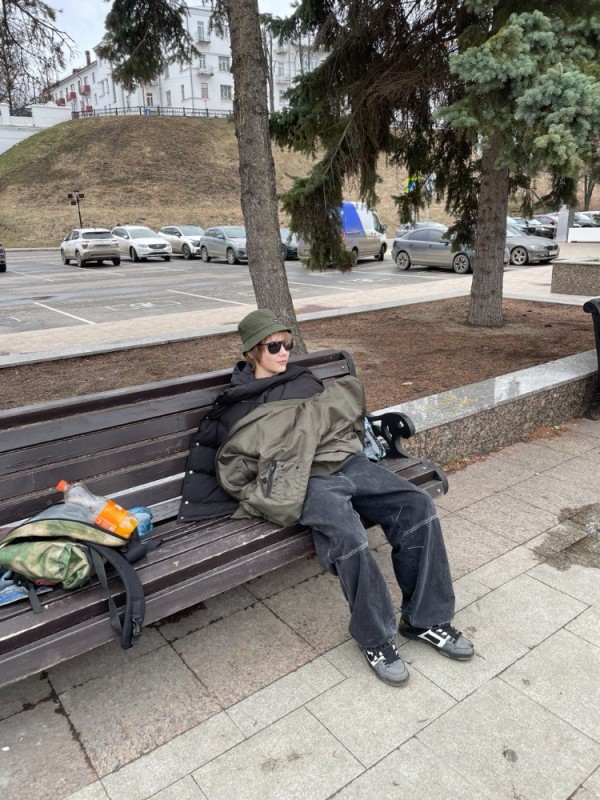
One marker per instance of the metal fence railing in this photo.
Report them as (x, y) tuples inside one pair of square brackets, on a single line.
[(156, 111)]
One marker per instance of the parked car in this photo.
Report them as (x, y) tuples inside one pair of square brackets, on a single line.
[(2, 258), (184, 239), (87, 245), (141, 243), (428, 247), (405, 227), (547, 221), (289, 243), (518, 222), (533, 227), (224, 242), (529, 249), (580, 220), (594, 216)]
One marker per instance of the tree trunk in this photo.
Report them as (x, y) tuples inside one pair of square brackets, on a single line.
[(485, 309), (257, 168), (589, 184), (267, 38)]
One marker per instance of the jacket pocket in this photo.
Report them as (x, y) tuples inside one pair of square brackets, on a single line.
[(283, 482), (270, 478)]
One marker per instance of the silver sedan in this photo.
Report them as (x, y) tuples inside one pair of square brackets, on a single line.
[(529, 249), (428, 248)]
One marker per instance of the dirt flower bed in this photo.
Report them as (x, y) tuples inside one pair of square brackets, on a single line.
[(401, 353)]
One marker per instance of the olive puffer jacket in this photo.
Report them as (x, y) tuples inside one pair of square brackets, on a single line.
[(270, 454), (202, 495)]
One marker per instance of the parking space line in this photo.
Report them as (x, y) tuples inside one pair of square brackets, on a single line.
[(66, 313), (207, 297), (29, 275)]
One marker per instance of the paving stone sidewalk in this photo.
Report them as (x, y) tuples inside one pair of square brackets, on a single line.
[(260, 693)]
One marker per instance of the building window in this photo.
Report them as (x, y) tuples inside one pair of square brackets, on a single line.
[(225, 92), (95, 99), (280, 69), (182, 91), (166, 71), (223, 63), (282, 99), (202, 61), (149, 99), (204, 90), (225, 31), (93, 77), (168, 97), (200, 32)]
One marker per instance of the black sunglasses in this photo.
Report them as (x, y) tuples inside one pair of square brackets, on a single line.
[(275, 347)]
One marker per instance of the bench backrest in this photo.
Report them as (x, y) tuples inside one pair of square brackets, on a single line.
[(130, 444)]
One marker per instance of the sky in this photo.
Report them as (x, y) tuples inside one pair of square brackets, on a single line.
[(83, 20)]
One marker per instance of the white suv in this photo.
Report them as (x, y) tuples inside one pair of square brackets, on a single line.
[(184, 239), (140, 243), (84, 245)]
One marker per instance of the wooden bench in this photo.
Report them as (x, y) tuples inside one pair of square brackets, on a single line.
[(132, 444)]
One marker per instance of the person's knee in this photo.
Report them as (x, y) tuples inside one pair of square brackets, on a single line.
[(340, 547)]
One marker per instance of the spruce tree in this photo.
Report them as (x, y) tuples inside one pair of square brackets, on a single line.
[(482, 95)]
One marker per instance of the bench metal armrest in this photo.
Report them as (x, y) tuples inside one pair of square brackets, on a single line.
[(592, 307), (390, 427)]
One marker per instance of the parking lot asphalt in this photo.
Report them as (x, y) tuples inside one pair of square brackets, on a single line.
[(113, 308)]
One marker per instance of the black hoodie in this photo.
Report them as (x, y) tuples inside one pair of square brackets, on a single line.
[(201, 496)]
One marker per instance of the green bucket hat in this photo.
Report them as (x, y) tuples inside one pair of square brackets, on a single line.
[(258, 324)]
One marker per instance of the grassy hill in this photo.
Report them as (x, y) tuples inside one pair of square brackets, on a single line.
[(150, 170)]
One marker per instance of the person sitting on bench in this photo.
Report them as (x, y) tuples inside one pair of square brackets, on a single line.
[(280, 445)]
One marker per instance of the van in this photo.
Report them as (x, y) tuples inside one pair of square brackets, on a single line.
[(362, 232)]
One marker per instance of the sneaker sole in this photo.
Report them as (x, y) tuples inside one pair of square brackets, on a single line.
[(403, 682)]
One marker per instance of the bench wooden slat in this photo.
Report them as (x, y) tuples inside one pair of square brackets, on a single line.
[(39, 455), (146, 453)]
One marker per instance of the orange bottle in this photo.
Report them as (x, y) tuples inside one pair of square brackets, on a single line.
[(104, 512)]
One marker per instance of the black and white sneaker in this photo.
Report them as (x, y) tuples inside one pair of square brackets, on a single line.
[(386, 663), (446, 639)]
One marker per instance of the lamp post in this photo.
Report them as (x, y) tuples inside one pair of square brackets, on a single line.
[(74, 197)]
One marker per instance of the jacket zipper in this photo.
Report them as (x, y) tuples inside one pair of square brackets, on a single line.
[(270, 476)]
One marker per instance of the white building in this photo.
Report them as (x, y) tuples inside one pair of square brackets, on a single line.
[(15, 129), (204, 87)]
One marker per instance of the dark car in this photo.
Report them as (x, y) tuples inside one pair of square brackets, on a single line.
[(532, 227), (289, 244), (548, 222), (2, 258)]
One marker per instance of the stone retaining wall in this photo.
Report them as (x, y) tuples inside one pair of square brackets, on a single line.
[(491, 414), (576, 277)]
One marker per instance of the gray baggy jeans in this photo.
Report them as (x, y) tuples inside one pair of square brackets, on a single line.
[(333, 507)]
